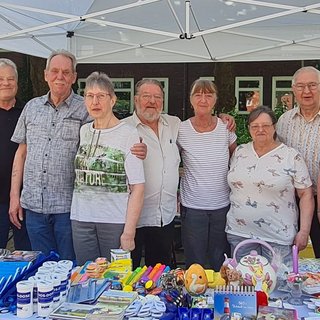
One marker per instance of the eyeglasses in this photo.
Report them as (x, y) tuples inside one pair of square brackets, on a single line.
[(207, 96), (255, 127), (148, 97), (100, 96), (311, 86)]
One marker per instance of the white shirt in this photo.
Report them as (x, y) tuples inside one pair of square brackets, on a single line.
[(161, 169), (263, 193), (104, 168)]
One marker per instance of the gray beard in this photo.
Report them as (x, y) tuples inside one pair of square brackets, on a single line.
[(150, 116)]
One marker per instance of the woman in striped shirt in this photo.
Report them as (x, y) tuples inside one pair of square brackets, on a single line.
[(205, 144)]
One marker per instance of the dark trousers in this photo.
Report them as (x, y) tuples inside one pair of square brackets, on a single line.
[(315, 231), (203, 236), (157, 243), (20, 236)]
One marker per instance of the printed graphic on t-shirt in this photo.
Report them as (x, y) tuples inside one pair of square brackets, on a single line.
[(100, 168)]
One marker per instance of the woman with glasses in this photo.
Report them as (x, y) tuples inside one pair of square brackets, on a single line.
[(205, 144), (265, 176), (109, 184)]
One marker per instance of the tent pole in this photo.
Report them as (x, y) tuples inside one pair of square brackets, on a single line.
[(187, 3), (70, 46)]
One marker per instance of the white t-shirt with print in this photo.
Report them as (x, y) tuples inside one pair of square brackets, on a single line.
[(263, 193), (104, 169)]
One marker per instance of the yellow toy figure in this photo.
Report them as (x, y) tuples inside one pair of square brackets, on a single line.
[(196, 281), (258, 278), (260, 284)]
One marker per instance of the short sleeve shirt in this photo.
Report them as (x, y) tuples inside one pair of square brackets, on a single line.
[(263, 193), (105, 167), (52, 137), (205, 159), (161, 169), (304, 136)]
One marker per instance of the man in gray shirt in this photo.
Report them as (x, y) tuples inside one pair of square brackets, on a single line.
[(48, 137)]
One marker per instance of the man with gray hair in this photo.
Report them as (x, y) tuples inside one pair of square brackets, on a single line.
[(300, 128), (10, 110), (155, 232), (48, 136)]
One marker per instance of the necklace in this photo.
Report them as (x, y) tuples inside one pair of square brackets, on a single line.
[(207, 126)]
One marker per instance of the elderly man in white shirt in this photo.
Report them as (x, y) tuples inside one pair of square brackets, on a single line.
[(159, 132)]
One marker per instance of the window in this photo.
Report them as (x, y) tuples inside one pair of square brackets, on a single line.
[(207, 78), (165, 84), (124, 89), (282, 96), (248, 93)]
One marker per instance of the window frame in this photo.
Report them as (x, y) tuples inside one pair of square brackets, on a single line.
[(239, 89), (275, 90)]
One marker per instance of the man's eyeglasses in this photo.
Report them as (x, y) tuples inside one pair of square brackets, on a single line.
[(100, 96), (255, 127), (312, 86), (148, 97)]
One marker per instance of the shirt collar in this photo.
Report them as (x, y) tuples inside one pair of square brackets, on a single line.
[(66, 101), (297, 112), (137, 121)]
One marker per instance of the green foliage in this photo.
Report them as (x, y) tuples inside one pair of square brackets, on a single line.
[(242, 131)]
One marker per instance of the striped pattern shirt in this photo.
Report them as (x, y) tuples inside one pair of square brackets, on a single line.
[(205, 159), (304, 136)]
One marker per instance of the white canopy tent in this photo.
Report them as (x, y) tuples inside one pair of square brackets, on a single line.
[(152, 31)]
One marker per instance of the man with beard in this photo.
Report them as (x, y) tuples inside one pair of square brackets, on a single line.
[(155, 229)]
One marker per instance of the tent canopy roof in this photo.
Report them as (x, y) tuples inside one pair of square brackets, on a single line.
[(147, 31)]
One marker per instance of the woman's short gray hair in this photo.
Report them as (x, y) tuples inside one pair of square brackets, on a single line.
[(101, 80)]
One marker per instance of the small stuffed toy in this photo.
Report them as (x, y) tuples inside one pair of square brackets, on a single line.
[(234, 277)]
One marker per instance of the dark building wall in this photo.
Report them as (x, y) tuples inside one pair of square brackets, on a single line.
[(181, 76), (175, 73)]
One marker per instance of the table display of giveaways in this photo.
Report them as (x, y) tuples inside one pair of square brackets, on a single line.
[(35, 286)]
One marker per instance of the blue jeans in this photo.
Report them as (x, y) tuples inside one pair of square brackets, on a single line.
[(20, 236), (50, 232)]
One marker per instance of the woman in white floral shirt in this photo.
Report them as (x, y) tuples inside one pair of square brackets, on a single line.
[(265, 176)]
